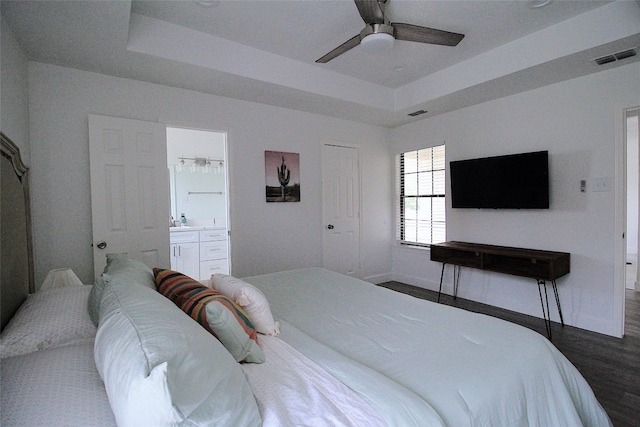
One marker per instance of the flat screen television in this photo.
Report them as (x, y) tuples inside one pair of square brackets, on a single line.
[(516, 181)]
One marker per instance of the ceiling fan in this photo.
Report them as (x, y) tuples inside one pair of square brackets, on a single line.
[(380, 33)]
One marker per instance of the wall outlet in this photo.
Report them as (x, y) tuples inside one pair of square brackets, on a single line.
[(583, 185), (601, 184)]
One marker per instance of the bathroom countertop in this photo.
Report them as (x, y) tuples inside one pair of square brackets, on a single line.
[(195, 228)]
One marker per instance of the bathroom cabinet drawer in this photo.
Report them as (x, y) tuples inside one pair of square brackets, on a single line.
[(207, 268), (212, 235), (183, 236), (213, 250)]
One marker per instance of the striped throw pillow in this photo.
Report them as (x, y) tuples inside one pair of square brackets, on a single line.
[(217, 313)]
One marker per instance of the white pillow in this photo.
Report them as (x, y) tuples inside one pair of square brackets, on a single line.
[(162, 368), (49, 318), (250, 298), (138, 394), (121, 269), (54, 387)]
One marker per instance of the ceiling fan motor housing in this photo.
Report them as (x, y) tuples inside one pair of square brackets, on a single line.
[(379, 34), (377, 38)]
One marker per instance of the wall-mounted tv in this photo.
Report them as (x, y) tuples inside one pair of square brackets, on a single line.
[(516, 181)]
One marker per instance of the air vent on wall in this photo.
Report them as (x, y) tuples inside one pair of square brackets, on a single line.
[(417, 113), (618, 56)]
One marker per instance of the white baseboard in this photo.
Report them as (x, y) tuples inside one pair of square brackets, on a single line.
[(415, 281), (378, 278)]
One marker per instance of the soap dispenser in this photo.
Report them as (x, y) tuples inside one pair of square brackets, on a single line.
[(183, 220)]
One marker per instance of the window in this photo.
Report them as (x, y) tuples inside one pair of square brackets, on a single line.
[(420, 211)]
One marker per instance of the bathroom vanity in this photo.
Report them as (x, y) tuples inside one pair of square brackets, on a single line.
[(199, 251)]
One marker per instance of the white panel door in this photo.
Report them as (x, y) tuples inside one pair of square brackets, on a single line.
[(129, 190), (341, 200)]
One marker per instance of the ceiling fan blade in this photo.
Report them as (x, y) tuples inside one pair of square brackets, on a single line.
[(371, 11), (415, 33), (349, 44)]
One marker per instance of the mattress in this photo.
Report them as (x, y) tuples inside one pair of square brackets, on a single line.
[(442, 365)]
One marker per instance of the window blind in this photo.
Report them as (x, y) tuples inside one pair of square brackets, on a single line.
[(420, 205)]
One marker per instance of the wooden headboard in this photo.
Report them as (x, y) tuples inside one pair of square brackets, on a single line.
[(16, 250)]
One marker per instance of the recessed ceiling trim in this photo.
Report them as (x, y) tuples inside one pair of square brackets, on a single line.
[(169, 41), (564, 39)]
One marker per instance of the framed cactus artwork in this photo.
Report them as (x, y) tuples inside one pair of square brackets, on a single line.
[(282, 176)]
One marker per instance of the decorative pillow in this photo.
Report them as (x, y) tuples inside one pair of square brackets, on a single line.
[(49, 318), (95, 296), (250, 298), (127, 270), (216, 312), (120, 269), (160, 368)]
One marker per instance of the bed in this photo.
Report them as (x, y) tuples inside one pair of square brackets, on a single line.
[(153, 347)]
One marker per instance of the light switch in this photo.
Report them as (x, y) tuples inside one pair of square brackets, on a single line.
[(601, 184)]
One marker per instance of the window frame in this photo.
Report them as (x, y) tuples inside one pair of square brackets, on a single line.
[(437, 178)]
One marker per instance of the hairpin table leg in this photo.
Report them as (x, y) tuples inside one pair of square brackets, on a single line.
[(441, 276), (456, 280), (545, 309), (555, 292)]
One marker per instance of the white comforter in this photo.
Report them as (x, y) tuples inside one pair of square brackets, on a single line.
[(291, 390), (466, 369)]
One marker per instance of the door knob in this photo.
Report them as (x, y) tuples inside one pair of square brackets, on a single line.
[(102, 244), (330, 226)]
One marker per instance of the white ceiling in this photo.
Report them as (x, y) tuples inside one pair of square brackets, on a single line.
[(265, 50)]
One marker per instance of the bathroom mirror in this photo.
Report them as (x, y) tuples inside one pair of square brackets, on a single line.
[(197, 174)]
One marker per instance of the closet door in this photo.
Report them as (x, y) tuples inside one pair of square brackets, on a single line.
[(341, 206), (129, 190)]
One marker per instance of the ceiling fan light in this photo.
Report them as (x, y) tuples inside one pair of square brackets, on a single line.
[(538, 4), (378, 42)]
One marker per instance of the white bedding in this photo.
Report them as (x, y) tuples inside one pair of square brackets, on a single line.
[(291, 390), (471, 369), (349, 354), (48, 319), (54, 387), (61, 386)]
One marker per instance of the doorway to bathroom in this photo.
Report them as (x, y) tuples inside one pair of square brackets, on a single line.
[(199, 217), (631, 136)]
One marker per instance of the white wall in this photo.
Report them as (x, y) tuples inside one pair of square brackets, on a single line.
[(14, 92), (266, 237), (576, 121)]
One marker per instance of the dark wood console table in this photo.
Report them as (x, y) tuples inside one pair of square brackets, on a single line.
[(540, 265)]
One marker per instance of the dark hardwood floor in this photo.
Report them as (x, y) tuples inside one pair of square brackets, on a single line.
[(610, 365)]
